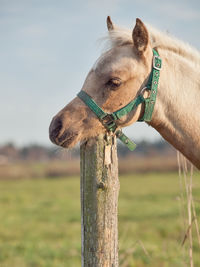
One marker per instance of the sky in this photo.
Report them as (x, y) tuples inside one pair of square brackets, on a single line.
[(47, 47)]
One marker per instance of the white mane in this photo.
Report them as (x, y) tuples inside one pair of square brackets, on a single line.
[(121, 36)]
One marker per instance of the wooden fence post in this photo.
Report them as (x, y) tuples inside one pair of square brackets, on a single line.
[(99, 202)]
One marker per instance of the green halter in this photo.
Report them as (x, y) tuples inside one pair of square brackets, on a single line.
[(109, 119)]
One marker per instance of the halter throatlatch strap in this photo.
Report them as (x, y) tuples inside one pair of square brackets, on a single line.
[(109, 119)]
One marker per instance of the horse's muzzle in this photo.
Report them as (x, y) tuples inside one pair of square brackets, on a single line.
[(54, 130), (64, 139)]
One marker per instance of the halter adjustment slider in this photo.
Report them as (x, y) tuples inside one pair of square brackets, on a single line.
[(108, 120), (157, 62)]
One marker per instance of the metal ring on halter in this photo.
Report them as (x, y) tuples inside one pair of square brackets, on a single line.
[(144, 89)]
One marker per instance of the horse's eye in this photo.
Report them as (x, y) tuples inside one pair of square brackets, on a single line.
[(114, 83)]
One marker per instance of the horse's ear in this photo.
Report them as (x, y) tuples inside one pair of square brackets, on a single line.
[(140, 36), (110, 25)]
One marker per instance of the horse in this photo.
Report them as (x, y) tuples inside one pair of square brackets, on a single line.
[(120, 75)]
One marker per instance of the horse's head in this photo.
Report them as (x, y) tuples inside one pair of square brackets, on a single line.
[(117, 77)]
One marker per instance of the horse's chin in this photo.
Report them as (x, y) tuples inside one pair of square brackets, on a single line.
[(68, 144), (67, 140)]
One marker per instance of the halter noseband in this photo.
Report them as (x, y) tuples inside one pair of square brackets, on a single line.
[(109, 119)]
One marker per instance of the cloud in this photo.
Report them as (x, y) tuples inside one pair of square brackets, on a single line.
[(34, 30)]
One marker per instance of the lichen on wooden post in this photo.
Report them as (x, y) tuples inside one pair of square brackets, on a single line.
[(99, 202)]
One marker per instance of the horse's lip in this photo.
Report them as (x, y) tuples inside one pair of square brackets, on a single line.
[(66, 139), (65, 144)]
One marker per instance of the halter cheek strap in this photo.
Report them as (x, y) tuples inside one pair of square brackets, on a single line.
[(109, 119), (152, 86)]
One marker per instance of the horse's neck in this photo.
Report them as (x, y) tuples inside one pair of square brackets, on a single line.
[(177, 116)]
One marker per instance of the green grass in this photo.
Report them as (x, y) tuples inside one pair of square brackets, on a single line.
[(40, 222)]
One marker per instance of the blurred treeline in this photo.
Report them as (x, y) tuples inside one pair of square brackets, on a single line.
[(35, 161), (11, 153)]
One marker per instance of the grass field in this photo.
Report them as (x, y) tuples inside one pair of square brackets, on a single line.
[(40, 222)]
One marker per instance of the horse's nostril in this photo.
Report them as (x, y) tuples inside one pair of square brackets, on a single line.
[(54, 130)]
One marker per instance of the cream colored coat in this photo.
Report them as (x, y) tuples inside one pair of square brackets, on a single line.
[(118, 77)]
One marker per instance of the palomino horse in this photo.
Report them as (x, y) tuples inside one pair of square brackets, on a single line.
[(121, 74)]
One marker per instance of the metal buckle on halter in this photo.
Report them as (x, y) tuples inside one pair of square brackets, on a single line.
[(109, 122), (144, 89), (157, 62)]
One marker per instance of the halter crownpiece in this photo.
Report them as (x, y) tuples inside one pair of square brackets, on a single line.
[(109, 119)]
